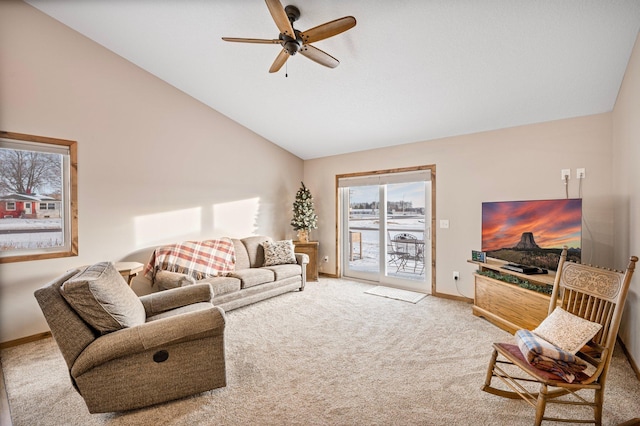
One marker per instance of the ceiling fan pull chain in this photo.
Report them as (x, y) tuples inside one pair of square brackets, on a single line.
[(286, 70)]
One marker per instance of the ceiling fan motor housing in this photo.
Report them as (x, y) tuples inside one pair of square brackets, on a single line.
[(290, 44), (292, 47)]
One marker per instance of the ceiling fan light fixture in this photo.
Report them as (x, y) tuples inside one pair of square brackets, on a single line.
[(292, 46), (294, 41)]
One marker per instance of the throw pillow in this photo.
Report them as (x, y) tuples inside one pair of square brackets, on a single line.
[(102, 297), (278, 252), (567, 331)]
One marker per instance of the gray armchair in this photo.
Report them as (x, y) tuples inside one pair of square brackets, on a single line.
[(125, 352)]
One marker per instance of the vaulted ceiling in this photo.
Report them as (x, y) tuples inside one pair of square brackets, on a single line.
[(411, 70)]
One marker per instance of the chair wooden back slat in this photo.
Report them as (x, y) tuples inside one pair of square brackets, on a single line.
[(568, 301), (593, 308), (596, 313)]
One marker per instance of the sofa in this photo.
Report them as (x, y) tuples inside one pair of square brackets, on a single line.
[(251, 276)]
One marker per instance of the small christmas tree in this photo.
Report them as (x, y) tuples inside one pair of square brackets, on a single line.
[(304, 216)]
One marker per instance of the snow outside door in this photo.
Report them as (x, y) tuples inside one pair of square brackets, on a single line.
[(387, 235)]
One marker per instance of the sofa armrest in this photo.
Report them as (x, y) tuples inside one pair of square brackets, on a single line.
[(303, 260), (166, 280), (158, 334), (156, 303)]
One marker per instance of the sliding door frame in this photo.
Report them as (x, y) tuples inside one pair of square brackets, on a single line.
[(338, 204)]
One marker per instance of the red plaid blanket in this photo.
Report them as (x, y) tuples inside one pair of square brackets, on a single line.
[(200, 259)]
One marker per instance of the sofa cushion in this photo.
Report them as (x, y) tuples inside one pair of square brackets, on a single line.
[(254, 276), (242, 257), (278, 252), (223, 285), (255, 250), (285, 271), (102, 297)]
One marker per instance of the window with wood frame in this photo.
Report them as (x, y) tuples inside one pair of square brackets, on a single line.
[(38, 197)]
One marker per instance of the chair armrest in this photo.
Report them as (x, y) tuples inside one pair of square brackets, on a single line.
[(158, 334), (156, 303)]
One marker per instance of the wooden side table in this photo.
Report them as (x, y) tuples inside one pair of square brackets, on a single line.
[(129, 270), (311, 250)]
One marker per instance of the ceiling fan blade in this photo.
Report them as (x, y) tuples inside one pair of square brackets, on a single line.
[(280, 17), (328, 29), (252, 40), (319, 56), (279, 62)]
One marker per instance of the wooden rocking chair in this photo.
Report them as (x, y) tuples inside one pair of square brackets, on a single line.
[(592, 293)]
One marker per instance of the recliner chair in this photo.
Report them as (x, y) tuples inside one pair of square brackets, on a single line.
[(125, 352)]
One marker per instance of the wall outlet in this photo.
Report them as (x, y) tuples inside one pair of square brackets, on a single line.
[(325, 259), (456, 275), (581, 173), (565, 173)]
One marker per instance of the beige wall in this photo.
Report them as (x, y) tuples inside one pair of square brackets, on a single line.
[(155, 165), (626, 188), (511, 164)]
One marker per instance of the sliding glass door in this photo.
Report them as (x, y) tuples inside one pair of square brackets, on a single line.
[(362, 245), (386, 232)]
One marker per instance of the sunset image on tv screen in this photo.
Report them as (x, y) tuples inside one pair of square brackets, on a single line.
[(551, 224)]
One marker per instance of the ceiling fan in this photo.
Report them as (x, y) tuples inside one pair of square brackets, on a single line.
[(293, 41)]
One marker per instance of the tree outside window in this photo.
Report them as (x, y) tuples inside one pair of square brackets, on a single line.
[(38, 201)]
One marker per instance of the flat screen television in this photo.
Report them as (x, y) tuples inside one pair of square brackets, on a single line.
[(532, 233)]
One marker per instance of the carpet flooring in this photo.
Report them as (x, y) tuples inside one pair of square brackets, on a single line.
[(396, 293), (331, 355)]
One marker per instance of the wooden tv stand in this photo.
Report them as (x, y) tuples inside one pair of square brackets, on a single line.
[(506, 305)]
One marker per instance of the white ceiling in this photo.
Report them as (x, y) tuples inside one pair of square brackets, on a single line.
[(411, 70)]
